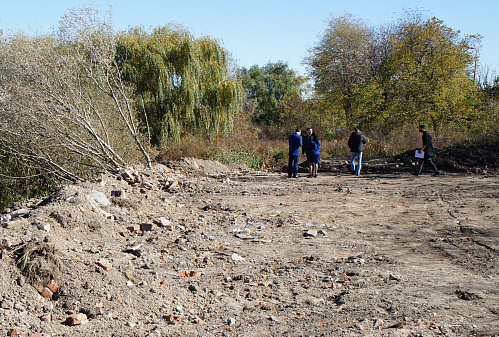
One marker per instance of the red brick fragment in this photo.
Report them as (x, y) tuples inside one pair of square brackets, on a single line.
[(52, 286), (75, 319), (134, 228), (47, 293)]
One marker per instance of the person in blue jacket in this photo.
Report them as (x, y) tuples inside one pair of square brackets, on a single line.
[(314, 149), (295, 142)]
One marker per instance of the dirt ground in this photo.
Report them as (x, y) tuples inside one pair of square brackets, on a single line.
[(197, 248)]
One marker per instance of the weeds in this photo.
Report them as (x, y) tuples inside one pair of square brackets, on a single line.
[(39, 261)]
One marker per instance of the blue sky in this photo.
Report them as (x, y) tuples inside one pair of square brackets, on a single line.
[(259, 31)]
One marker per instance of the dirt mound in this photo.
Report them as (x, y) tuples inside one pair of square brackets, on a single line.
[(480, 158)]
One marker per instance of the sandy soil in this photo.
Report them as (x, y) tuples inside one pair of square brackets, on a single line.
[(233, 252)]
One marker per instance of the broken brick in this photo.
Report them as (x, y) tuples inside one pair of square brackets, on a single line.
[(76, 319), (47, 293), (172, 319), (15, 332), (53, 286), (134, 228)]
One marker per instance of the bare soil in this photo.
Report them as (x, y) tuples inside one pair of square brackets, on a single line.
[(227, 251)]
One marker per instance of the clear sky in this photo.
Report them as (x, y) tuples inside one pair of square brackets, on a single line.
[(261, 31)]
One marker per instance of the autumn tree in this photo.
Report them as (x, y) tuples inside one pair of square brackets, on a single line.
[(272, 91), (183, 82), (340, 62), (428, 73)]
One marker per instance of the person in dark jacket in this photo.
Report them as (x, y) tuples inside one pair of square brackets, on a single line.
[(295, 142), (314, 151), (429, 152), (306, 139), (356, 144)]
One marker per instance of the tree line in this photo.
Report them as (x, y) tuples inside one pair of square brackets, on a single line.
[(87, 98)]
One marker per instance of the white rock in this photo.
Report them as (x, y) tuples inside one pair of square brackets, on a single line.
[(43, 227), (99, 197), (236, 258), (310, 233)]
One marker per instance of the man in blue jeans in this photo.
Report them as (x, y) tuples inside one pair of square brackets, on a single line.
[(356, 144), (295, 142)]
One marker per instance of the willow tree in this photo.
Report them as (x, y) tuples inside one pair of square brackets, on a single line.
[(183, 82)]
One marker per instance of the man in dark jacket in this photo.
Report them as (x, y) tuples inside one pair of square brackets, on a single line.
[(429, 152), (306, 139), (295, 142), (356, 144)]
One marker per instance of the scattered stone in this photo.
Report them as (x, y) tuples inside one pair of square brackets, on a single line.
[(394, 277), (148, 185), (7, 304), (118, 194), (172, 319), (467, 296), (76, 319), (46, 292), (244, 237), (193, 288), (189, 274), (6, 244), (52, 286), (322, 232), (99, 197), (104, 263), (236, 258), (16, 224), (43, 227), (99, 309), (15, 332), (231, 321), (131, 324), (164, 223), (209, 237), (146, 227), (5, 218), (310, 233), (134, 228), (172, 187), (46, 318), (20, 212)]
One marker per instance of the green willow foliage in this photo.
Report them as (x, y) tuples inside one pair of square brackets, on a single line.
[(184, 82)]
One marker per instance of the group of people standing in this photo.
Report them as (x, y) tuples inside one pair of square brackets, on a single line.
[(311, 145)]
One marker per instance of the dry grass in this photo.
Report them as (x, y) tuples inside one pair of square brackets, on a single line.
[(39, 262), (248, 146)]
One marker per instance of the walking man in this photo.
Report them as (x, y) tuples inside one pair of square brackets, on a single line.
[(429, 152), (295, 142), (356, 144)]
